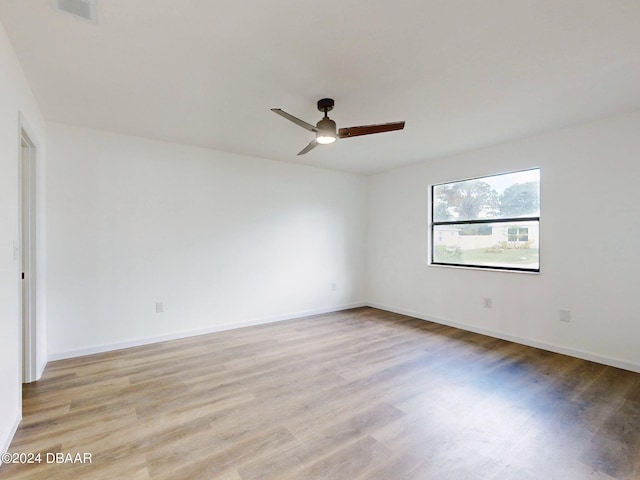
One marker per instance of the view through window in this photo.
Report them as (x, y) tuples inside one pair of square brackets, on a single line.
[(488, 222)]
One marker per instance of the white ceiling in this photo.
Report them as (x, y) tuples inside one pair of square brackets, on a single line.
[(462, 73)]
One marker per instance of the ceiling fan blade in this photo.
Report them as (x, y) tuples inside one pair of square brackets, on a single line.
[(295, 120), (369, 129), (313, 144)]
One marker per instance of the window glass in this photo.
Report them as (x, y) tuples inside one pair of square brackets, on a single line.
[(488, 222), (500, 196)]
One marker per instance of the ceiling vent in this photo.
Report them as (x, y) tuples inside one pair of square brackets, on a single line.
[(84, 9)]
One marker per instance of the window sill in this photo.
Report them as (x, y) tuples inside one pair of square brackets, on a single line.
[(484, 269)]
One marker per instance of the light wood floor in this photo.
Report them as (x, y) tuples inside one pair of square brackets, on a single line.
[(360, 394)]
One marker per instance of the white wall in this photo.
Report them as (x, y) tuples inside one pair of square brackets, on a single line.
[(17, 106), (590, 245), (223, 240)]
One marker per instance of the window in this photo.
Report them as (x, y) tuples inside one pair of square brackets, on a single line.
[(518, 234), (488, 222)]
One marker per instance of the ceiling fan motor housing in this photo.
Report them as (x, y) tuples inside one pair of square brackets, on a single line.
[(326, 126)]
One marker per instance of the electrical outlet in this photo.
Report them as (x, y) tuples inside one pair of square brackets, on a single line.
[(159, 307), (333, 287), (565, 316), (488, 303)]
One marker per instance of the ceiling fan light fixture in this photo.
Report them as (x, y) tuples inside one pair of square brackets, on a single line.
[(326, 131), (325, 139)]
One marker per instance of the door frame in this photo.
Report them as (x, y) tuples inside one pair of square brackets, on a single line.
[(27, 234)]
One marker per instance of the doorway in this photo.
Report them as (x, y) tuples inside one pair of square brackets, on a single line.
[(27, 215)]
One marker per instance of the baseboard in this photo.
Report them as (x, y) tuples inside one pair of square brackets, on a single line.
[(41, 370), (6, 442), (605, 360), (192, 333)]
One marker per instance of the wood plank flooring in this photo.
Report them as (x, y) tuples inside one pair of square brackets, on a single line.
[(359, 394)]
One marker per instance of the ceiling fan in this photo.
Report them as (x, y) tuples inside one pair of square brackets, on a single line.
[(325, 129)]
